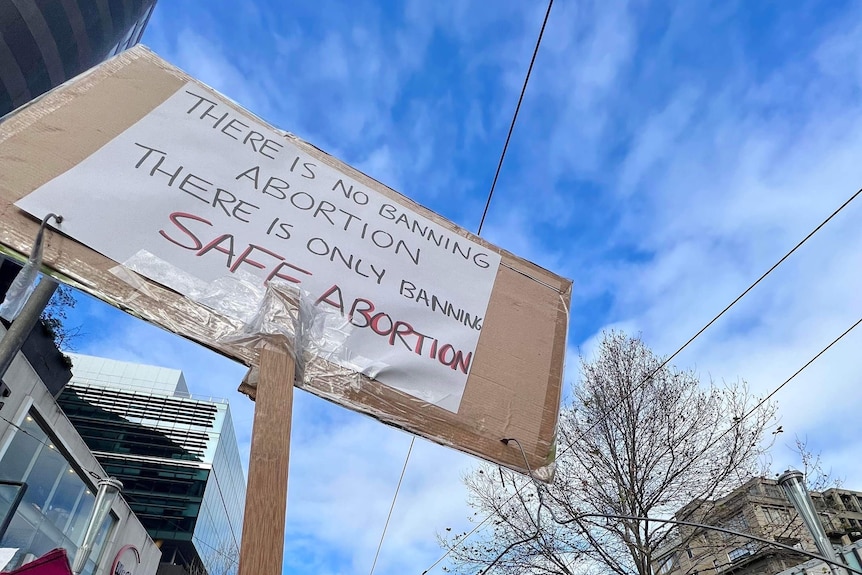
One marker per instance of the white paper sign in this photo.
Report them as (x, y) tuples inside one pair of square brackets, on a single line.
[(217, 195)]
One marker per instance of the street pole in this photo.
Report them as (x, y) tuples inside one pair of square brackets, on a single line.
[(32, 306), (109, 490), (831, 562), (793, 484), (17, 333)]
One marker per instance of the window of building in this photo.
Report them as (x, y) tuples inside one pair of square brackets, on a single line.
[(689, 552), (736, 554), (776, 515), (665, 565), (774, 491), (716, 565), (57, 502), (10, 497), (791, 541), (737, 523), (832, 523)]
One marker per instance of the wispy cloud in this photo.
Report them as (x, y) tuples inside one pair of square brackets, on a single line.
[(664, 158)]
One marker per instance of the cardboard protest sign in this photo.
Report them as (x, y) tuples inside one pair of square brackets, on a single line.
[(447, 336)]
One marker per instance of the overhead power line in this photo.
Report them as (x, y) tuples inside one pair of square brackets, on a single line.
[(515, 117), (391, 507), (681, 348), (478, 233), (722, 312), (710, 445), (728, 430), (789, 379)]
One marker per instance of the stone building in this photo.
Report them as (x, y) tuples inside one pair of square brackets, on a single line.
[(760, 508)]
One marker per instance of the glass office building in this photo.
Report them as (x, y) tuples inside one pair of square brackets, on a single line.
[(43, 43), (48, 476), (56, 502), (176, 455)]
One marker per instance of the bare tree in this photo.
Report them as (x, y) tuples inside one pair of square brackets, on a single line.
[(639, 439), (816, 477), (55, 318)]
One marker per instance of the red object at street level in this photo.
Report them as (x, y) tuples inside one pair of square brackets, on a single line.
[(51, 563)]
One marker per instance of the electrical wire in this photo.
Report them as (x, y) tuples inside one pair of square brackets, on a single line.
[(789, 379), (391, 507), (720, 314), (678, 351), (735, 424), (468, 534), (515, 117), (479, 233), (43, 443)]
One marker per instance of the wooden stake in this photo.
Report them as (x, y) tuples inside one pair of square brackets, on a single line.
[(262, 548)]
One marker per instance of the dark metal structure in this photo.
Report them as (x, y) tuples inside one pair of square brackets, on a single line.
[(43, 43)]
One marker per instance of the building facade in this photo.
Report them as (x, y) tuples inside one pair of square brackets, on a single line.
[(47, 478), (176, 454), (43, 43), (760, 508)]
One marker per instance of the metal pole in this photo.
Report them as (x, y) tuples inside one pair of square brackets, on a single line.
[(17, 333), (830, 558), (831, 563), (13, 507), (793, 483), (109, 489)]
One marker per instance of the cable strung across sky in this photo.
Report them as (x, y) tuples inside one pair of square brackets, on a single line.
[(478, 233), (686, 344)]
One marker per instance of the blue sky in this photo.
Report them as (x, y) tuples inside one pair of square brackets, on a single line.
[(665, 156)]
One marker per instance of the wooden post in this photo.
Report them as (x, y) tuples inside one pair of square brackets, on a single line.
[(262, 547)]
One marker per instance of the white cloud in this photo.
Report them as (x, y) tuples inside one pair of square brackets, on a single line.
[(723, 183), (345, 482), (662, 191), (581, 67)]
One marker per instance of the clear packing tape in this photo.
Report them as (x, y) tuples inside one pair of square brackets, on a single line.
[(249, 316), (25, 281), (278, 315), (288, 320)]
